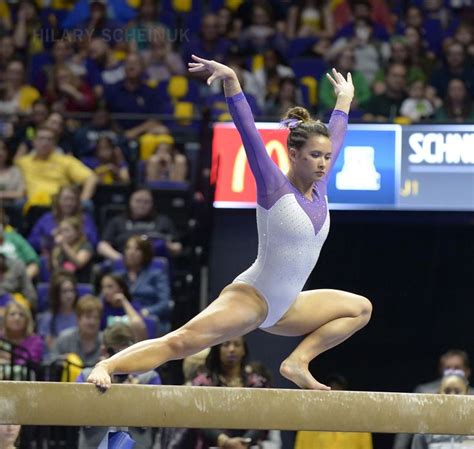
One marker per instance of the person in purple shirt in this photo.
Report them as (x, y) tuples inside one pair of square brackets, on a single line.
[(18, 330), (67, 203), (293, 223)]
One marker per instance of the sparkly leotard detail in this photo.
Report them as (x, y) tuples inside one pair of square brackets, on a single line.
[(291, 228)]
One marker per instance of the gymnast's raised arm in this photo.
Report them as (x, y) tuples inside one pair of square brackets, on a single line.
[(267, 174)]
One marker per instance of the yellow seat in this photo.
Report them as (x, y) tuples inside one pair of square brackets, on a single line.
[(177, 87), (149, 142)]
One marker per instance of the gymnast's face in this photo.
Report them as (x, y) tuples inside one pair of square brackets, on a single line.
[(453, 385), (311, 162), (232, 352)]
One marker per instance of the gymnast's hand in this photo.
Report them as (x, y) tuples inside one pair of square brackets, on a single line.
[(217, 70), (340, 84), (100, 377)]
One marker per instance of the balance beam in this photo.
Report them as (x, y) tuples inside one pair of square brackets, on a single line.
[(49, 403)]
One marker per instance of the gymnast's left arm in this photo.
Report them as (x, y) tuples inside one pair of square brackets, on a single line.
[(344, 90)]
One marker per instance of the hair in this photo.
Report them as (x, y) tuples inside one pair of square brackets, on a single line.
[(466, 107), (302, 127), (52, 86), (78, 224), (457, 353), (57, 280), (145, 246), (213, 362), (30, 324), (55, 206), (119, 334), (88, 303), (120, 281)]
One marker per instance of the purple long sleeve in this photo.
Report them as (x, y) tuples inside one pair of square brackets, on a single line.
[(268, 175), (337, 131)]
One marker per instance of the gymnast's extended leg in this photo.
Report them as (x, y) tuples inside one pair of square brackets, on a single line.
[(237, 311), (327, 318)]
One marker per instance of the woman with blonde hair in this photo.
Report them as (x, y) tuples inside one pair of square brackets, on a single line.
[(19, 331)]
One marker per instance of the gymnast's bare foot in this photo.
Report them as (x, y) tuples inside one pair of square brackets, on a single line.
[(299, 374), (100, 377)]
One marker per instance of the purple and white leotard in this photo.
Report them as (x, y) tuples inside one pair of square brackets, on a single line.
[(291, 228)]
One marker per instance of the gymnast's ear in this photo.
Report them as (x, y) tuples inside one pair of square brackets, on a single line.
[(292, 154)]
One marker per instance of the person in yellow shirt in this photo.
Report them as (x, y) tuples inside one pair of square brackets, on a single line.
[(334, 440), (45, 171)]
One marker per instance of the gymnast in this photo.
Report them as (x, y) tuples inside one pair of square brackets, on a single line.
[(293, 223)]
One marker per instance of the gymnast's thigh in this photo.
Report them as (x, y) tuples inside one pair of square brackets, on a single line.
[(314, 308)]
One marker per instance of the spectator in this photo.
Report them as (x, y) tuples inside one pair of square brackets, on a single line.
[(14, 281), (85, 138), (457, 105), (19, 330), (288, 94), (109, 164), (386, 106), (464, 34), (453, 382), (454, 359), (149, 286), (64, 138), (66, 92), (103, 68), (84, 340), (344, 63), (161, 62), (42, 180), (320, 440), (118, 306), (419, 56), (62, 302), (166, 164), (72, 251), (115, 339), (140, 219), (310, 18), (14, 246), (9, 435), (369, 51), (16, 96), (133, 96), (7, 55), (455, 67), (226, 365), (67, 203), (417, 107), (28, 29), (12, 187)]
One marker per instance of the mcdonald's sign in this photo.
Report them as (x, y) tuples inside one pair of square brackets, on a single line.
[(231, 174)]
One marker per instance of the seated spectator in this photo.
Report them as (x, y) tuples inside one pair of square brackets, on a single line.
[(417, 106), (84, 340), (226, 364), (161, 62), (14, 246), (28, 28), (64, 137), (149, 287), (140, 219), (118, 306), (9, 435), (72, 251), (288, 95), (16, 96), (133, 96), (166, 164), (453, 382), (453, 359), (19, 330), (67, 203), (7, 54), (115, 339), (14, 281), (103, 68), (457, 105), (85, 138), (109, 164), (12, 187), (46, 171), (419, 56), (61, 314), (344, 62), (66, 92), (454, 67), (310, 19), (387, 106), (464, 34), (311, 440)]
